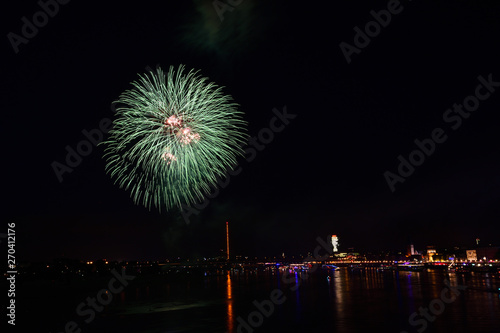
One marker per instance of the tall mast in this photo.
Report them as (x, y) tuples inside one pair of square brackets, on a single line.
[(227, 240)]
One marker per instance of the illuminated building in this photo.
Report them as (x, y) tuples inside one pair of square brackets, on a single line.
[(411, 250), (471, 255), (340, 255), (431, 252), (335, 243)]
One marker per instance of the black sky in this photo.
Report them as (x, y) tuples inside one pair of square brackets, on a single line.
[(323, 174)]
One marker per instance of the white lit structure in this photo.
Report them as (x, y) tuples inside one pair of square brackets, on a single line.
[(335, 243), (471, 255)]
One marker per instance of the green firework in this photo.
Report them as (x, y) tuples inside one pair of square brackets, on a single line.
[(174, 134)]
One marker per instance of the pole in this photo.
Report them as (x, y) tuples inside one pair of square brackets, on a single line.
[(227, 239)]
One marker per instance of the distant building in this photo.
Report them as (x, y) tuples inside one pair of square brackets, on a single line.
[(340, 256), (487, 253), (354, 256), (411, 250), (471, 255), (431, 252)]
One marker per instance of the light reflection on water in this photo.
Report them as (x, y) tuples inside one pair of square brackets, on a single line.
[(349, 301), (229, 301)]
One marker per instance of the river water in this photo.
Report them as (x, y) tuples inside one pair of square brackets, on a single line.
[(282, 300)]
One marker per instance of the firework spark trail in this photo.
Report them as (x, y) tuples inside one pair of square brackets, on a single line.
[(173, 135)]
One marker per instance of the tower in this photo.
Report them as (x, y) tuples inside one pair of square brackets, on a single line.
[(411, 250), (227, 240), (335, 243)]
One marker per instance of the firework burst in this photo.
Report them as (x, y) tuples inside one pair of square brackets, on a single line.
[(173, 136)]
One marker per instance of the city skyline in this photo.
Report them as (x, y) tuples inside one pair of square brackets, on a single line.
[(225, 252)]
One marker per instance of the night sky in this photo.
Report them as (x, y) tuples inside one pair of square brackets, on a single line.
[(322, 175)]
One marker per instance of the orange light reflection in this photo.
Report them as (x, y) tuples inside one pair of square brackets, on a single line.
[(229, 301)]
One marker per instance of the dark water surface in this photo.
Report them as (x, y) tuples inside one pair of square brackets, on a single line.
[(338, 301)]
